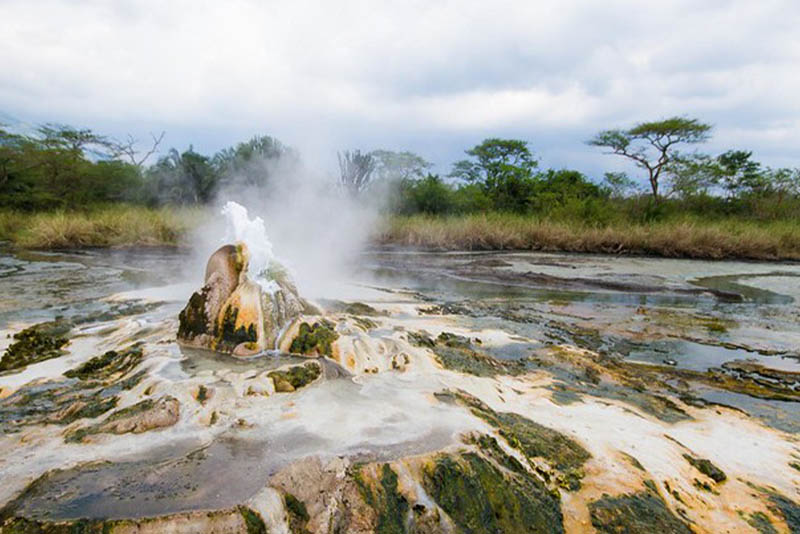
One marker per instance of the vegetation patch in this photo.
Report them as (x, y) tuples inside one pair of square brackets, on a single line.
[(141, 417), (561, 452), (90, 390), (365, 324), (298, 514), (636, 513), (390, 506), (707, 468), (458, 354), (353, 308), (314, 340), (252, 521), (192, 320), (786, 508), (19, 525), (760, 521), (35, 344), (482, 498), (228, 335), (295, 377), (109, 365)]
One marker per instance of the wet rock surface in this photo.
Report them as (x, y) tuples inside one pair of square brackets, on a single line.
[(35, 344), (235, 314), (637, 513), (143, 416), (631, 400)]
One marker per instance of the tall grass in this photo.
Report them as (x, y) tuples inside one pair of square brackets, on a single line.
[(677, 238), (684, 237), (103, 226)]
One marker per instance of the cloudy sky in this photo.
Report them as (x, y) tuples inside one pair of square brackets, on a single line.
[(431, 76)]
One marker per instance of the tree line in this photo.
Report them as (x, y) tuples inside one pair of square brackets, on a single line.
[(60, 166)]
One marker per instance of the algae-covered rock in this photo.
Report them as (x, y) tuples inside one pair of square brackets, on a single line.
[(315, 339), (761, 522), (141, 417), (235, 314), (707, 468), (391, 507), (481, 497), (35, 344), (295, 377), (297, 512), (636, 513), (108, 366), (458, 354), (561, 452), (89, 391), (238, 520)]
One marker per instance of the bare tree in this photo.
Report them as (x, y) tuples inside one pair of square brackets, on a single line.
[(355, 171), (128, 149)]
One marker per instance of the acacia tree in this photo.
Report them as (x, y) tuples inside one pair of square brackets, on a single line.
[(651, 145)]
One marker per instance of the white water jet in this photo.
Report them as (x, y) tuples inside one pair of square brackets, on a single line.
[(253, 233)]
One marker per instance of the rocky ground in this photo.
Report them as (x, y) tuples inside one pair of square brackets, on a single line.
[(407, 409)]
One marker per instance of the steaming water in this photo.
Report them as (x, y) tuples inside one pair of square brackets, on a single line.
[(253, 233)]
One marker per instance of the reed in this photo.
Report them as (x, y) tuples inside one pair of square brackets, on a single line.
[(103, 226), (677, 238)]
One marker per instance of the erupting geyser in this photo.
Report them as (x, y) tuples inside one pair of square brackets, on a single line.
[(248, 298)]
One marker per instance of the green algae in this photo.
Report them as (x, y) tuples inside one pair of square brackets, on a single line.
[(365, 324), (535, 441), (458, 354), (108, 364), (298, 514), (34, 344), (192, 320), (314, 340), (705, 486), (760, 522), (636, 513), (707, 468), (252, 521), (202, 394), (19, 525), (633, 461), (489, 446), (228, 335), (357, 308), (788, 509), (295, 377), (482, 498), (89, 391), (390, 506), (124, 414)]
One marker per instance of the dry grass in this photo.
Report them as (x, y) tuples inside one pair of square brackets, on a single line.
[(121, 225), (110, 226), (685, 238)]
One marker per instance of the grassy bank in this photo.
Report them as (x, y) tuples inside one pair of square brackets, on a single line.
[(677, 238), (686, 237), (102, 226)]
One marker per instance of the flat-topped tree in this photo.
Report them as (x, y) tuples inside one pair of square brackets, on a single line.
[(651, 145)]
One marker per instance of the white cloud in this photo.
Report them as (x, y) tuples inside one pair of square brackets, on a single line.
[(425, 74)]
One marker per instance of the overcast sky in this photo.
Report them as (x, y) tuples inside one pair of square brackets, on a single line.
[(434, 77)]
